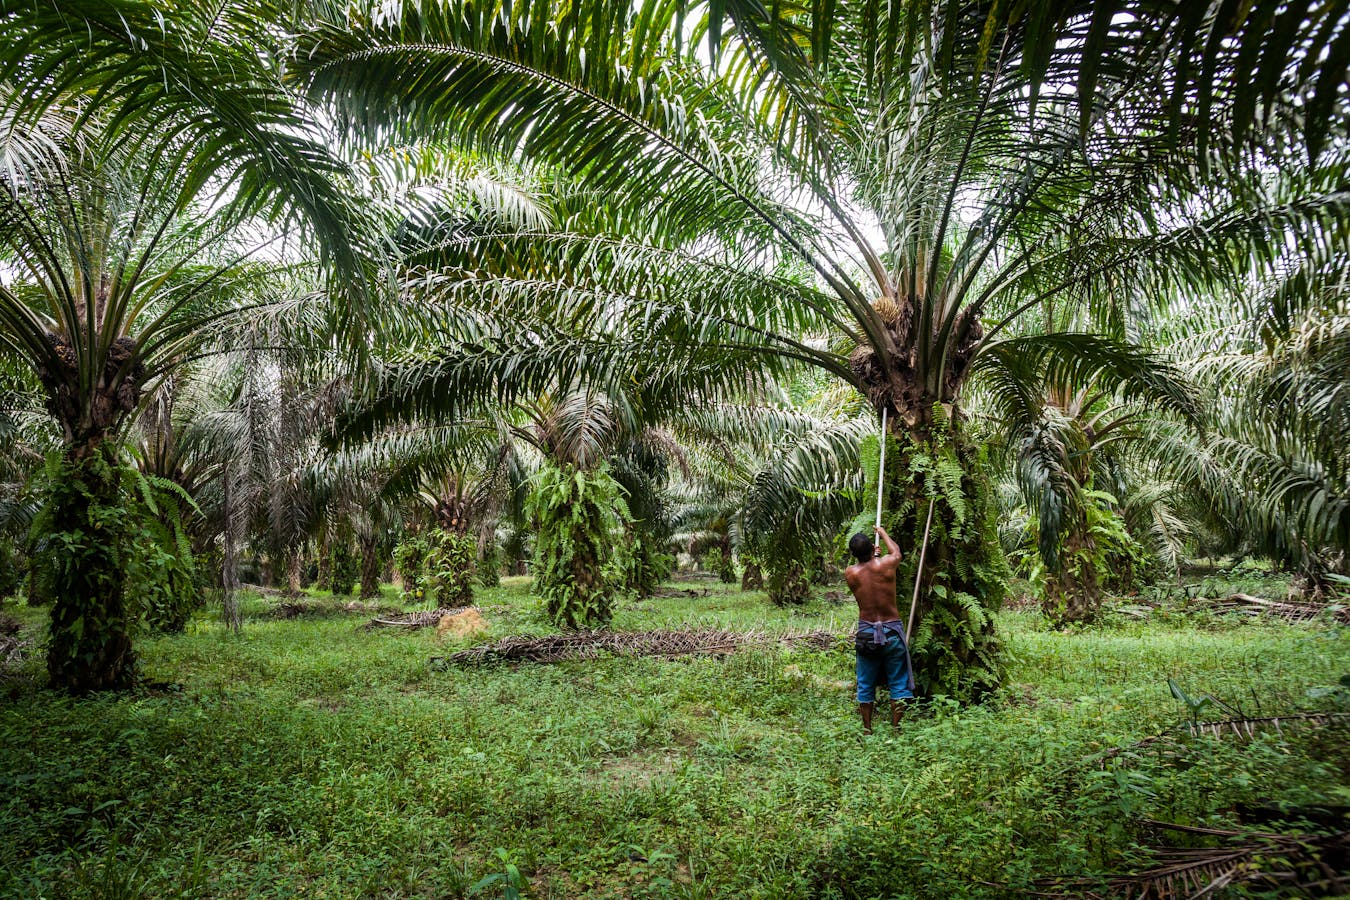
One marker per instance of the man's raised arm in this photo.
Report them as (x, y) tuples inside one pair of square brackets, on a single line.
[(892, 549)]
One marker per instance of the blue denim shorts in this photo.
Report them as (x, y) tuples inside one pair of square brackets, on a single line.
[(892, 663)]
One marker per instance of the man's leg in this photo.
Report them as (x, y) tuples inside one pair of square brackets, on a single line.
[(867, 672), (898, 678)]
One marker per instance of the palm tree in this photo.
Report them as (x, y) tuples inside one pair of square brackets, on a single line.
[(912, 186), (1062, 440), (122, 123), (1270, 474), (26, 437), (116, 284)]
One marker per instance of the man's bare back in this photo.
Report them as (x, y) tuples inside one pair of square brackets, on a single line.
[(873, 583)]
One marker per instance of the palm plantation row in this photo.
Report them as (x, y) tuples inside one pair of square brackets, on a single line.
[(314, 284)]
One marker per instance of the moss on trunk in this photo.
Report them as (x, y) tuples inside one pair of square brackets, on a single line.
[(954, 644), (90, 647)]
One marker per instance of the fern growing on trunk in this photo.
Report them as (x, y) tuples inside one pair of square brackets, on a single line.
[(954, 645), (579, 515)]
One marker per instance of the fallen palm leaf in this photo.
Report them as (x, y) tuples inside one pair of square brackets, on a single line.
[(12, 649), (300, 609), (591, 644), (1245, 728), (1303, 864), (1249, 727), (421, 619), (1290, 610), (679, 592)]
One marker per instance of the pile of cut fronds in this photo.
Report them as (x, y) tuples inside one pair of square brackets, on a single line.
[(299, 609), (591, 644), (421, 619), (1291, 610)]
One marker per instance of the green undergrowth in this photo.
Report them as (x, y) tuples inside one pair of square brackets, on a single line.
[(310, 757)]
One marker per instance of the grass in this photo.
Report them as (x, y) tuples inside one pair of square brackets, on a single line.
[(309, 757)]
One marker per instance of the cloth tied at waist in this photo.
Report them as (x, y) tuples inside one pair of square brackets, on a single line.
[(872, 637)]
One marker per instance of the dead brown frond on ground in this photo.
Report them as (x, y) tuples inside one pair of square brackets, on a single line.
[(1289, 610), (1307, 865), (1248, 728), (592, 644), (316, 609), (1243, 728), (12, 650), (679, 592), (420, 619)]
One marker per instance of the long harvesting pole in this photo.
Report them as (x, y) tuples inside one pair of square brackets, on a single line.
[(918, 573), (881, 468)]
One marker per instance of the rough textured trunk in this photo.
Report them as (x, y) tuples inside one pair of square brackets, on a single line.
[(324, 577), (489, 556), (752, 579), (90, 648), (453, 515), (573, 549), (294, 561), (918, 380), (229, 570), (648, 567), (789, 585), (1073, 593), (726, 572), (370, 567)]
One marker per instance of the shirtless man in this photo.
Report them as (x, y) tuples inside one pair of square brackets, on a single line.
[(880, 642)]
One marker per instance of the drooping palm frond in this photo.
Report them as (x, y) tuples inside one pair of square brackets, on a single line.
[(1022, 368), (1262, 860), (1253, 61), (1053, 220), (195, 89)]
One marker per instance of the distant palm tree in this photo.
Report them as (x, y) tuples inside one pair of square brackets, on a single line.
[(1270, 474)]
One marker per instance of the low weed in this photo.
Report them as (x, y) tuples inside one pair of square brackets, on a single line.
[(313, 757)]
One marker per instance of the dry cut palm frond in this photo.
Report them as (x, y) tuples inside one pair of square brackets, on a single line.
[(12, 649), (591, 644), (1244, 728), (302, 609), (1293, 864), (13, 646), (1293, 610), (421, 619), (1248, 728)]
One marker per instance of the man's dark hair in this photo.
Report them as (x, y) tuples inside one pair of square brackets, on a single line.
[(860, 545)]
